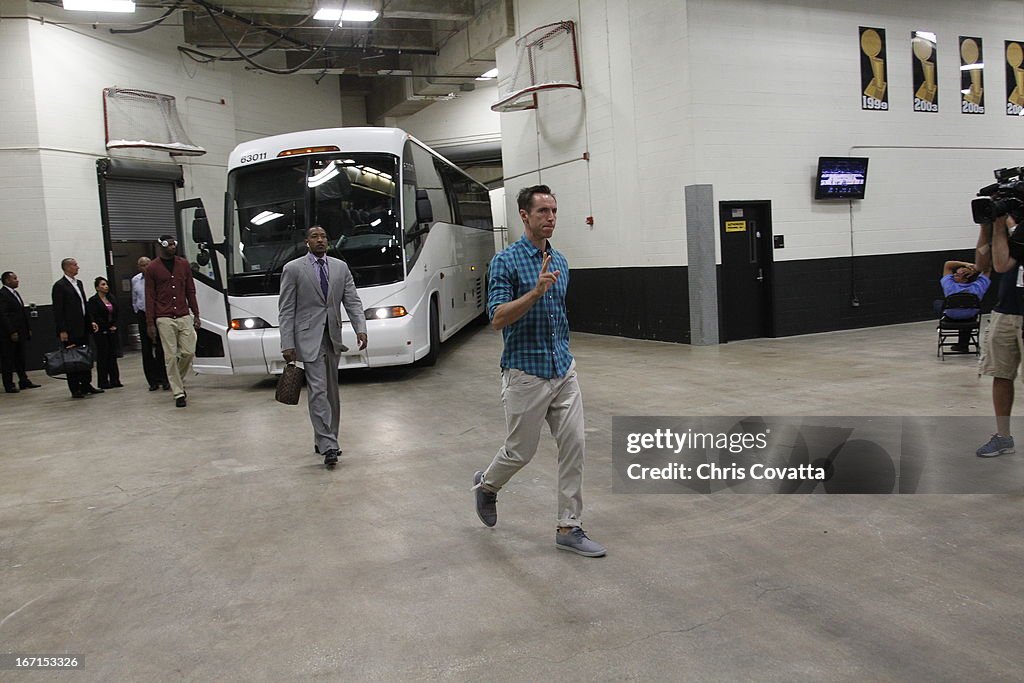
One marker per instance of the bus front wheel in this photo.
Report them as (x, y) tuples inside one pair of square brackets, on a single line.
[(435, 337)]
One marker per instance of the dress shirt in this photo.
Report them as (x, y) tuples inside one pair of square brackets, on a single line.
[(74, 285), (312, 259), (139, 293)]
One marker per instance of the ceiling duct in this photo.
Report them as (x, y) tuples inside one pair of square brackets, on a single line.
[(464, 56)]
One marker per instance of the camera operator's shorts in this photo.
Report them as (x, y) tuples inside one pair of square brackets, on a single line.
[(1003, 348)]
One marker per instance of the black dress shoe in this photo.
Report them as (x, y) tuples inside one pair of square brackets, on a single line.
[(166, 386), (154, 387), (180, 402), (93, 390), (116, 385), (29, 385), (12, 390), (104, 386), (77, 394), (331, 458)]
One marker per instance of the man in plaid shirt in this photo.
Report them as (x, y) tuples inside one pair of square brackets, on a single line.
[(526, 301)]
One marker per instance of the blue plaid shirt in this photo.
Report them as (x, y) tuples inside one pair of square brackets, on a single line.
[(537, 343)]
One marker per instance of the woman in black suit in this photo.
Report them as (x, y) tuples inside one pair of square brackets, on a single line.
[(103, 311)]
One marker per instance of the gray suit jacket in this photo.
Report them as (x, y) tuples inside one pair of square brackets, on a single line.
[(303, 311)]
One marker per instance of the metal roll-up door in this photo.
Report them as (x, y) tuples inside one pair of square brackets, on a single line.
[(140, 209)]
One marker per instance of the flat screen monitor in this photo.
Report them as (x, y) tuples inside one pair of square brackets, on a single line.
[(841, 178)]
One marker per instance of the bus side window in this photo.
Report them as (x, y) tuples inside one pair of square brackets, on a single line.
[(448, 177), (409, 225), (427, 178)]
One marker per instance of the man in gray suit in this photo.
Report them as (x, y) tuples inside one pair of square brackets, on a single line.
[(314, 287)]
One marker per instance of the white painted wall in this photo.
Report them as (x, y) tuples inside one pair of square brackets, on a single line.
[(746, 95), (466, 119), (23, 243), (51, 82)]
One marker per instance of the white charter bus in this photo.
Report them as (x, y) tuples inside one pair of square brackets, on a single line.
[(416, 232)]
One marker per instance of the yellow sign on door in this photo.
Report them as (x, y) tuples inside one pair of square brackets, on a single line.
[(735, 226)]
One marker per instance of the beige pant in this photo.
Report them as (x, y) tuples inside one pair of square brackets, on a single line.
[(178, 338), (530, 401)]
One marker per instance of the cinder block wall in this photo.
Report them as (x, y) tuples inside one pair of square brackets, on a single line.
[(745, 95), (52, 132)]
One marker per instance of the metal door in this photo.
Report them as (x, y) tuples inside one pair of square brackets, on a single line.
[(746, 238)]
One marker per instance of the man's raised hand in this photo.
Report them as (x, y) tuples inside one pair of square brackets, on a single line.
[(546, 279)]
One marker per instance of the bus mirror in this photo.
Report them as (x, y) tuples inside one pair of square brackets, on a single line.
[(201, 228), (424, 213)]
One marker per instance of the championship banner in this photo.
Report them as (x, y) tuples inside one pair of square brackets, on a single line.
[(873, 74), (925, 79), (1014, 78), (972, 76)]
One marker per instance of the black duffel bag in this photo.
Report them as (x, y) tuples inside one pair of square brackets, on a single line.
[(69, 360)]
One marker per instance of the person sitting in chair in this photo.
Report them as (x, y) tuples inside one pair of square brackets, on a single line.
[(962, 277)]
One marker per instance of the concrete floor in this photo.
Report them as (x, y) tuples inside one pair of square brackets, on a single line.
[(210, 543)]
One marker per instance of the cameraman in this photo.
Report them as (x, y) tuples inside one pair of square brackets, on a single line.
[(959, 277), (1003, 348)]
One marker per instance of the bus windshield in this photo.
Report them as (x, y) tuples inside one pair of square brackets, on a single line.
[(351, 196)]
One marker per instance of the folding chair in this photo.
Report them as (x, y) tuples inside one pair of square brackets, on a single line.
[(952, 327)]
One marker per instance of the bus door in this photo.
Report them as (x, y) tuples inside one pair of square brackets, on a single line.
[(195, 243)]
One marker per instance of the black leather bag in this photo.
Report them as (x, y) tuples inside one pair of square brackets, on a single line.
[(63, 361), (289, 385)]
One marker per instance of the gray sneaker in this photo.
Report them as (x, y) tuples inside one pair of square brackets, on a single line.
[(577, 542), (997, 445), (486, 502)]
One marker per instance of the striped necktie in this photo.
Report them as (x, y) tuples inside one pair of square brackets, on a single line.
[(322, 268)]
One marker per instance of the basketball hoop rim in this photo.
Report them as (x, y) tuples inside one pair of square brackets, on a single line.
[(532, 90)]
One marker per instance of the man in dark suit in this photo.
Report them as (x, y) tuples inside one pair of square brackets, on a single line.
[(14, 335), (314, 287), (73, 323)]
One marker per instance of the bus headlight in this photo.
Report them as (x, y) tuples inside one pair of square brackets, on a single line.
[(249, 324), (386, 312)]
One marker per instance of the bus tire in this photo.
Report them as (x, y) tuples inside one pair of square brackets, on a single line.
[(435, 337)]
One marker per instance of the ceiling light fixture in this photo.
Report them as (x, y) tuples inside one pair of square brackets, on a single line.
[(330, 12), (488, 75), (360, 15), (99, 5)]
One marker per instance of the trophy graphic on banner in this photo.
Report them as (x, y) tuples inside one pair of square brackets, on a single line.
[(923, 50), (871, 44), (1014, 57), (970, 53)]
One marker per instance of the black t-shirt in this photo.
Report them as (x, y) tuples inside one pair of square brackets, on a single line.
[(1009, 294), (1009, 299), (168, 264)]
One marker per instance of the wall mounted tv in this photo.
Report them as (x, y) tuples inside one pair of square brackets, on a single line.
[(841, 178)]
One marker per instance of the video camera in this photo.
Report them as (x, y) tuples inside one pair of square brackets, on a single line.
[(1005, 196)]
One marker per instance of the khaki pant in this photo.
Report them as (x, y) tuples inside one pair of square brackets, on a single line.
[(178, 338), (530, 401), (1001, 348)]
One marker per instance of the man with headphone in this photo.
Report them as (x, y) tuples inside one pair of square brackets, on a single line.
[(172, 309)]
